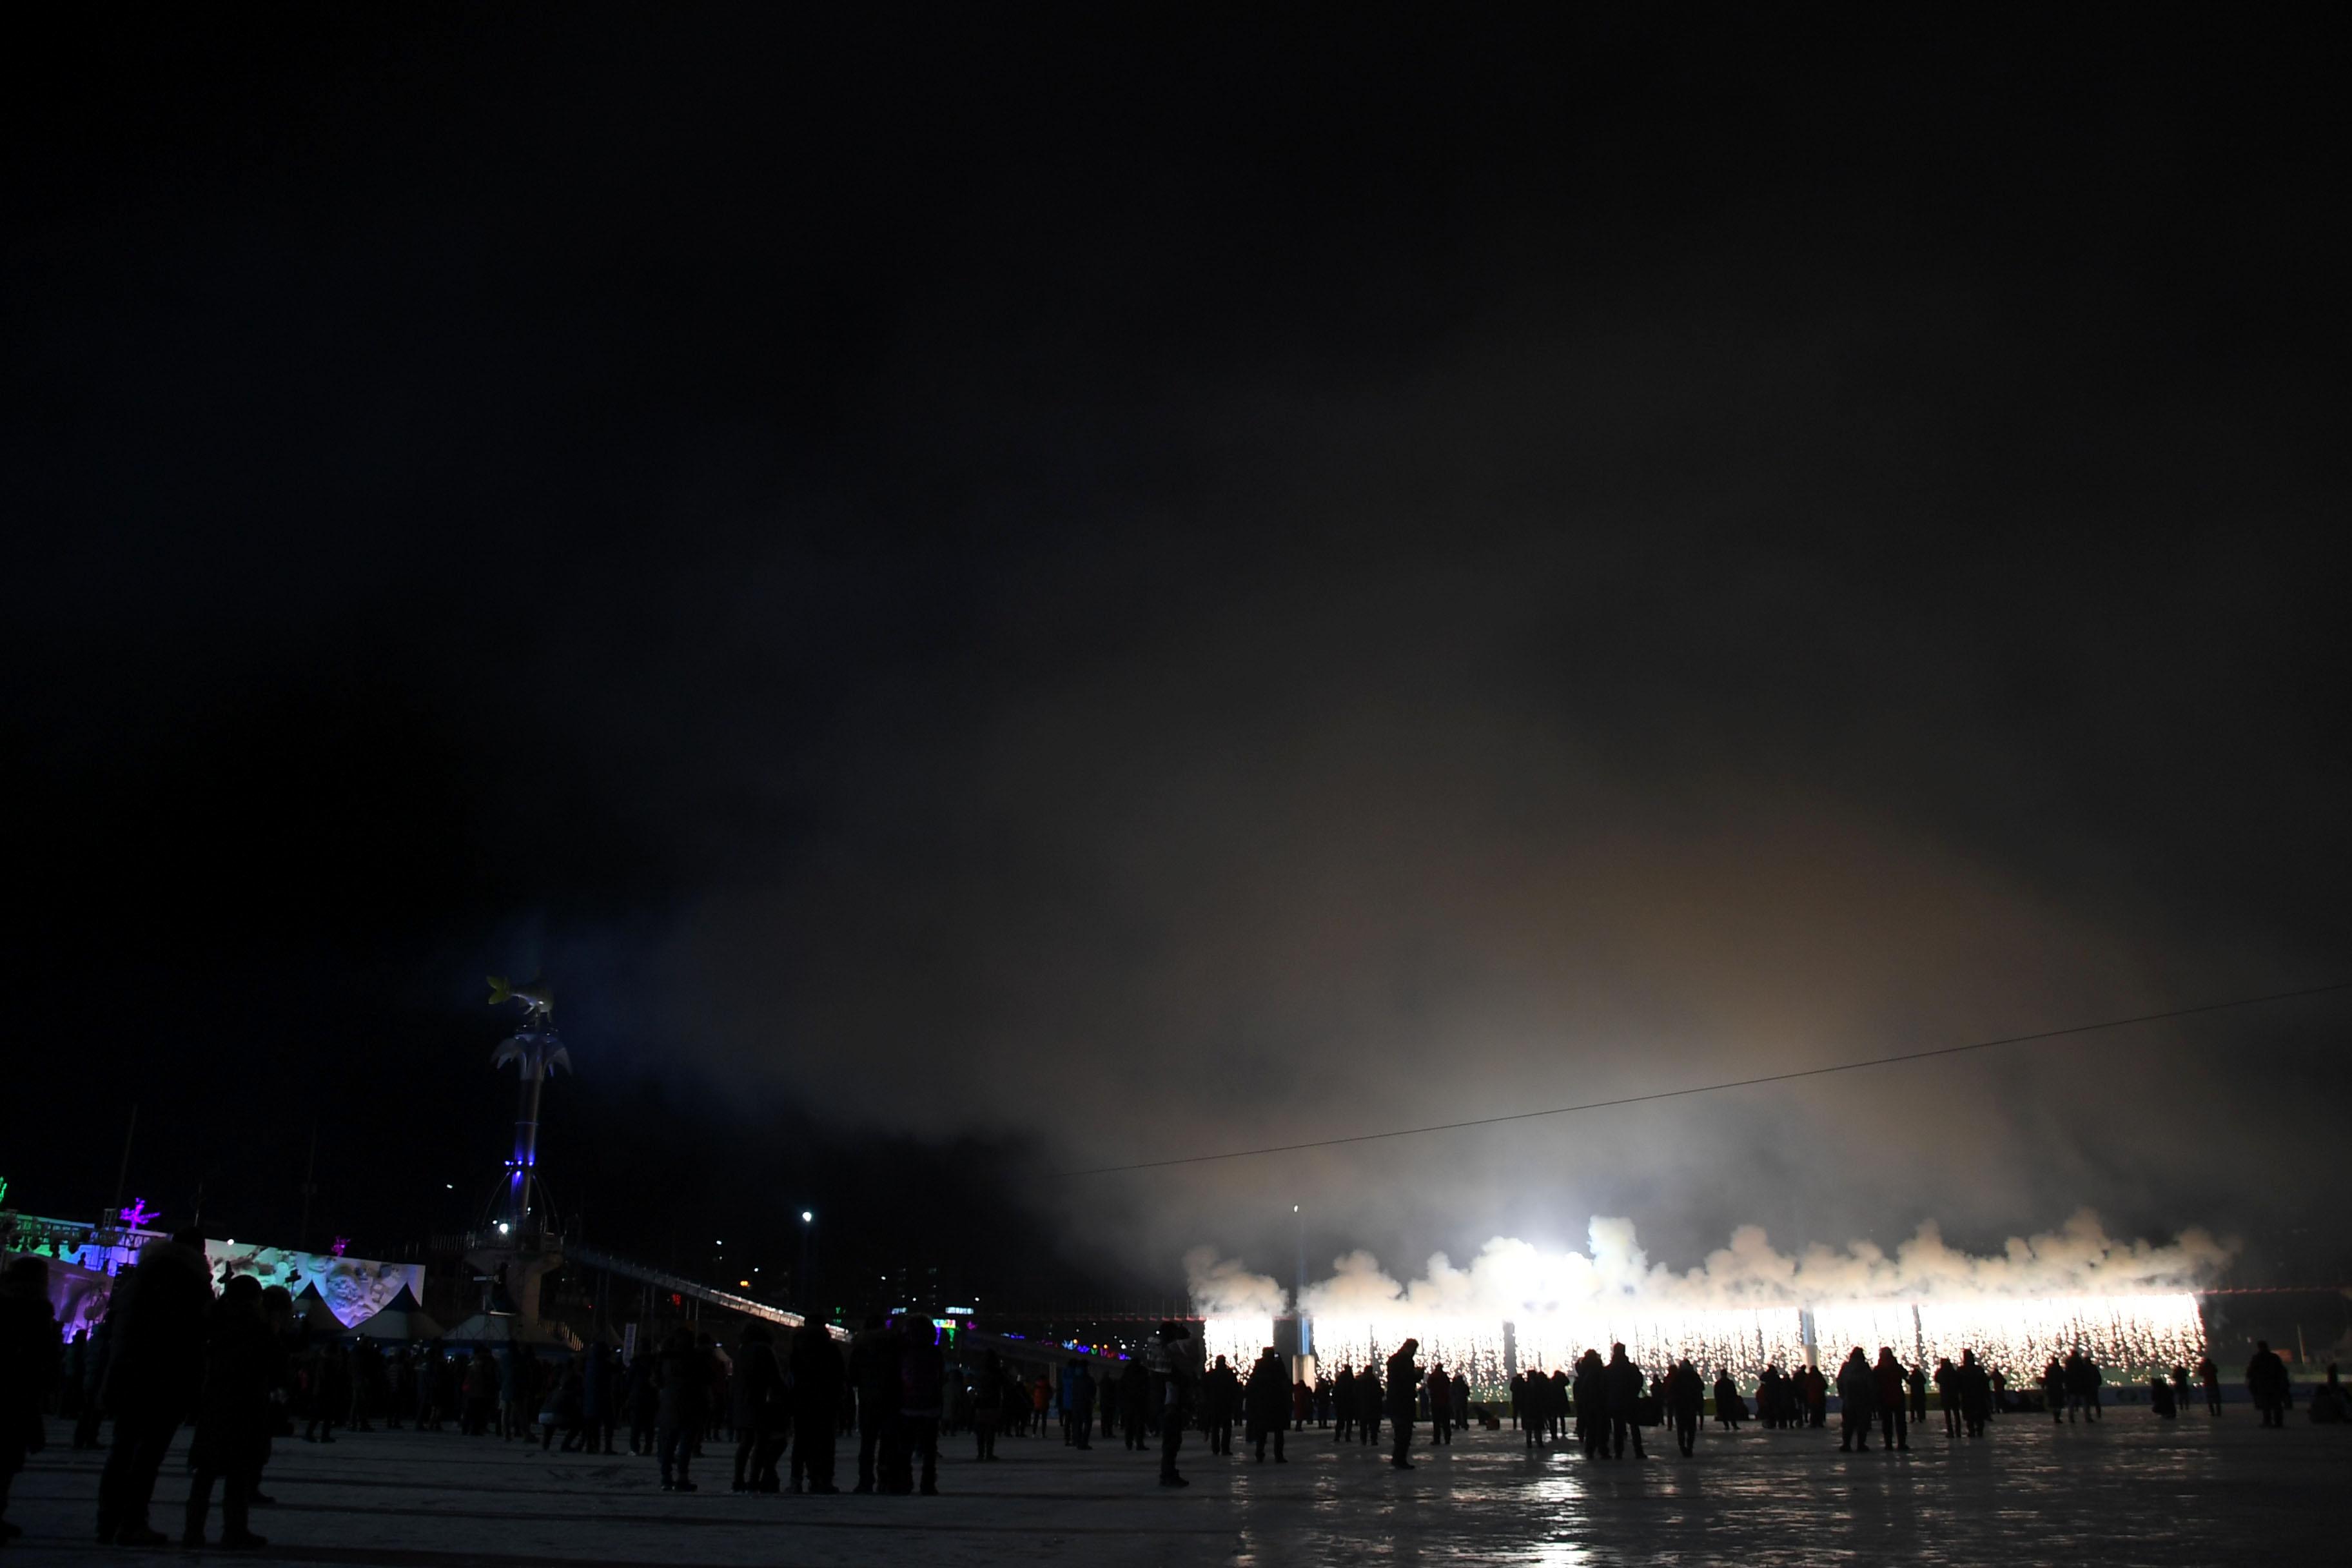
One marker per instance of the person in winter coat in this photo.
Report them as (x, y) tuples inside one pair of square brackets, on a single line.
[(1265, 1405), (1730, 1410), (1891, 1389), (1976, 1394), (162, 1313), (874, 1357), (1369, 1402), (1590, 1393), (1343, 1403), (1948, 1395), (559, 1413), (1134, 1403), (987, 1406), (644, 1401), (682, 1399), (232, 1414), (761, 1415), (597, 1402), (817, 1384), (1221, 1400), (1441, 1406), (1082, 1406), (1685, 1397), (1404, 1381), (29, 1358), (1857, 1388), (2267, 1382), (922, 1381), (1178, 1379), (1624, 1403)]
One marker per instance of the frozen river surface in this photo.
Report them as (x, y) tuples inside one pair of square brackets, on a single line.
[(2131, 1489)]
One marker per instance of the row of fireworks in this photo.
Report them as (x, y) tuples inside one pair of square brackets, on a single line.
[(2130, 1336)]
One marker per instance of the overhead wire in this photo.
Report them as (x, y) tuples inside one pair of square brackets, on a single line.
[(1792, 1074)]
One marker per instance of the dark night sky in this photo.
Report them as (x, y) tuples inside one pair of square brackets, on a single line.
[(997, 590)]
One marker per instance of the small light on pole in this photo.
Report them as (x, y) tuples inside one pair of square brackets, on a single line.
[(806, 1288)]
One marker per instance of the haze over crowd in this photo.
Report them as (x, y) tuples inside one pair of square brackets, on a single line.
[(1081, 606)]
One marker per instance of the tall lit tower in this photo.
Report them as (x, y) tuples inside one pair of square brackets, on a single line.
[(538, 1051)]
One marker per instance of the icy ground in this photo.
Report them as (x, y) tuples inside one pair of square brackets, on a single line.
[(2131, 1489)]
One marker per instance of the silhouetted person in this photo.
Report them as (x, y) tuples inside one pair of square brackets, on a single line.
[(93, 1407), (1685, 1397), (1590, 1395), (1403, 1378), (1180, 1378), (2267, 1379), (1976, 1394), (1729, 1408), (2159, 1398), (922, 1386), (1441, 1406), (644, 1398), (761, 1415), (682, 1404), (2209, 1374), (1891, 1386), (1221, 1396), (1134, 1404), (29, 1359), (1082, 1405), (2082, 1386), (874, 1370), (598, 1399), (2053, 1389), (558, 1411), (1624, 1403), (232, 1414), (162, 1313), (1857, 1388), (1265, 1403), (1343, 1403), (1948, 1395), (817, 1386), (1369, 1403), (2330, 1404), (1919, 1381)]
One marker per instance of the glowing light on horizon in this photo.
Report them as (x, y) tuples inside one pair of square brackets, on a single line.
[(2130, 1335), (1238, 1340)]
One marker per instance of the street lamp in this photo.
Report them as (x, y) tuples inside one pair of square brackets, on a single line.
[(807, 1291)]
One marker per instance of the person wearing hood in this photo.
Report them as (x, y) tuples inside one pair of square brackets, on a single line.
[(1857, 1387), (162, 1311), (232, 1414), (29, 1358)]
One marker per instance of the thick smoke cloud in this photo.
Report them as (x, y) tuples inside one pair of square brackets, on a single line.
[(1510, 1280)]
